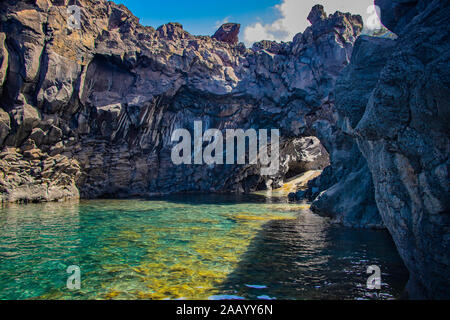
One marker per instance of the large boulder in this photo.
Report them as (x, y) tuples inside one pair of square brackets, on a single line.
[(228, 32), (172, 31), (317, 14)]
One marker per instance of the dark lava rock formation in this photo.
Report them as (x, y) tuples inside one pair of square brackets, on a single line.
[(90, 112), (228, 32), (335, 194), (400, 118)]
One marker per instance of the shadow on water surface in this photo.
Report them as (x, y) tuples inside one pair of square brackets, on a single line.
[(309, 258), (191, 246), (217, 199)]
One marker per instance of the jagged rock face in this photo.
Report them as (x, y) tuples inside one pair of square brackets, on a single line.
[(403, 133), (349, 170), (109, 95), (29, 175), (271, 47), (228, 32), (317, 14)]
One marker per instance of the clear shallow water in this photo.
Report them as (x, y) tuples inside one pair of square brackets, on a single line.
[(190, 247)]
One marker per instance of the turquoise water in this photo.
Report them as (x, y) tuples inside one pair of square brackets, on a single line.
[(190, 247)]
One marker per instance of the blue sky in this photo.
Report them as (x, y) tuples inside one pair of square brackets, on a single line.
[(200, 17), (260, 19)]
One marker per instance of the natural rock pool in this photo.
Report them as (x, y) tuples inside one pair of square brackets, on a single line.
[(190, 247)]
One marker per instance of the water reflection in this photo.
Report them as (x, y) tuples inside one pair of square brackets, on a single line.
[(309, 258), (192, 247)]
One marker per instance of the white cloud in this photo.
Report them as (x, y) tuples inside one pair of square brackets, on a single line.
[(293, 18), (372, 22), (257, 32)]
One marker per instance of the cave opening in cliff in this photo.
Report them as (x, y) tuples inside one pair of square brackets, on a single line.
[(295, 169), (301, 159)]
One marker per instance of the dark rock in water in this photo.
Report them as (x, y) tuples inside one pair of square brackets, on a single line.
[(403, 133), (308, 194), (292, 196), (300, 195), (228, 32)]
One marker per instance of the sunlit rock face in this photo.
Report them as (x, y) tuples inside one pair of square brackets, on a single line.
[(401, 122), (107, 97)]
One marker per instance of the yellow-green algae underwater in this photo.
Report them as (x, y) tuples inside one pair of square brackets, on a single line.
[(189, 247)]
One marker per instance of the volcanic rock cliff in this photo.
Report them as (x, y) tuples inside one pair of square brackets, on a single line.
[(91, 111), (394, 100)]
